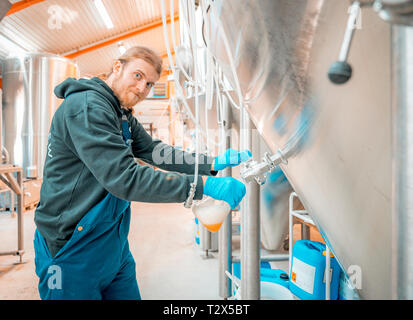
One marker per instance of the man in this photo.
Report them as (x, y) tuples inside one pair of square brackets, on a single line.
[(90, 177)]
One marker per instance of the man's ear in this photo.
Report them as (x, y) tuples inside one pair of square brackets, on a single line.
[(117, 67)]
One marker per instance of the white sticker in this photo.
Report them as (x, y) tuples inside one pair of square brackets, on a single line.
[(303, 274)]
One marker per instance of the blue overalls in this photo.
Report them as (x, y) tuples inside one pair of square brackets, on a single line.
[(96, 262)]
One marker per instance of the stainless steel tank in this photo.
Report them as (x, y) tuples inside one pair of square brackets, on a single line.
[(339, 135), (274, 217), (29, 104)]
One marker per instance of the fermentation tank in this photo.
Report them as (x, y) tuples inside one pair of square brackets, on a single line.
[(339, 135), (28, 106)]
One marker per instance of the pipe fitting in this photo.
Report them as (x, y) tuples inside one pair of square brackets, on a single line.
[(191, 194), (258, 171)]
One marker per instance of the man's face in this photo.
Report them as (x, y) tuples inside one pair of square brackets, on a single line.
[(133, 81)]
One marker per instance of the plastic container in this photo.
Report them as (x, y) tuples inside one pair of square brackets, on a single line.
[(275, 291), (269, 291), (211, 213), (307, 278), (270, 288), (277, 276), (197, 241)]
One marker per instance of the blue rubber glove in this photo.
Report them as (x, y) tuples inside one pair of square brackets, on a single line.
[(231, 158), (225, 188)]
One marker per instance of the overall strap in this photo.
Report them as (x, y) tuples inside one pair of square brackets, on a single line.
[(126, 130)]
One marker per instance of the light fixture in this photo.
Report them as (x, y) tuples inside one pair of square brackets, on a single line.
[(121, 48), (12, 47), (103, 13)]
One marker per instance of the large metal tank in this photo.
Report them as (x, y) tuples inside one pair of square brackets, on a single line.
[(29, 104), (340, 135), (274, 214)]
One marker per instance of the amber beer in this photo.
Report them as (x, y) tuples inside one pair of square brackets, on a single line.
[(211, 213)]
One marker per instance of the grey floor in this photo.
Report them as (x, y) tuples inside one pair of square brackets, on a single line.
[(169, 264)]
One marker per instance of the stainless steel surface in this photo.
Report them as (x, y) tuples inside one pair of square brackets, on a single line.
[(12, 176), (266, 257), (209, 126), (274, 220), (2, 160), (29, 104), (20, 231), (338, 137), (402, 98), (395, 11), (274, 207), (250, 221), (225, 233)]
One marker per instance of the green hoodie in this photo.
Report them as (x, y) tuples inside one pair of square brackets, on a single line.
[(87, 158)]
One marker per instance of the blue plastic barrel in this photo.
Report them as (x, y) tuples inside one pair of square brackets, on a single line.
[(236, 269), (307, 274), (266, 273), (275, 275), (197, 241)]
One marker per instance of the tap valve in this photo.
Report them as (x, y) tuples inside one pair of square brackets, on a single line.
[(340, 71)]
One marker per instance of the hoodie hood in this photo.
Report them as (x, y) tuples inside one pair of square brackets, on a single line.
[(72, 85)]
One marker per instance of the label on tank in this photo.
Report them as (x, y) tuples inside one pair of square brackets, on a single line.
[(302, 274)]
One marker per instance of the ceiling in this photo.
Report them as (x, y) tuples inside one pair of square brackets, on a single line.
[(75, 29)]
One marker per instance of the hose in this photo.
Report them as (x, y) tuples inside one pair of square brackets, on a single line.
[(230, 57)]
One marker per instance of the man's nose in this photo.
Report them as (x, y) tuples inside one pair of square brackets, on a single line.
[(141, 85)]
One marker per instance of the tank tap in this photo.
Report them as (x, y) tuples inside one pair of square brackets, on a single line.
[(258, 171), (340, 71)]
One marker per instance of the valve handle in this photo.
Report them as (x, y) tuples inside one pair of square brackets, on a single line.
[(340, 71)]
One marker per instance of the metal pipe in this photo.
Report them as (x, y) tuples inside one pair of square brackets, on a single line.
[(327, 273), (16, 186), (20, 230), (250, 223), (402, 207), (349, 33), (340, 71), (305, 232), (207, 241), (225, 233), (1, 122), (267, 258), (290, 229), (6, 154)]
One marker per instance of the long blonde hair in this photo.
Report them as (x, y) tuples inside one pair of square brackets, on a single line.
[(139, 52)]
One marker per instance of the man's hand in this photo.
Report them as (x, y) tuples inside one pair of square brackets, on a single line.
[(230, 158), (225, 188)]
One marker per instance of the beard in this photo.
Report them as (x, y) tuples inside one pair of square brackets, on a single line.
[(127, 98)]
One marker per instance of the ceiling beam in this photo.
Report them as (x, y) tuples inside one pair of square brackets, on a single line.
[(82, 50), (18, 6)]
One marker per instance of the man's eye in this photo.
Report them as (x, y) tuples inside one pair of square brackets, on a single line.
[(149, 85), (138, 75)]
